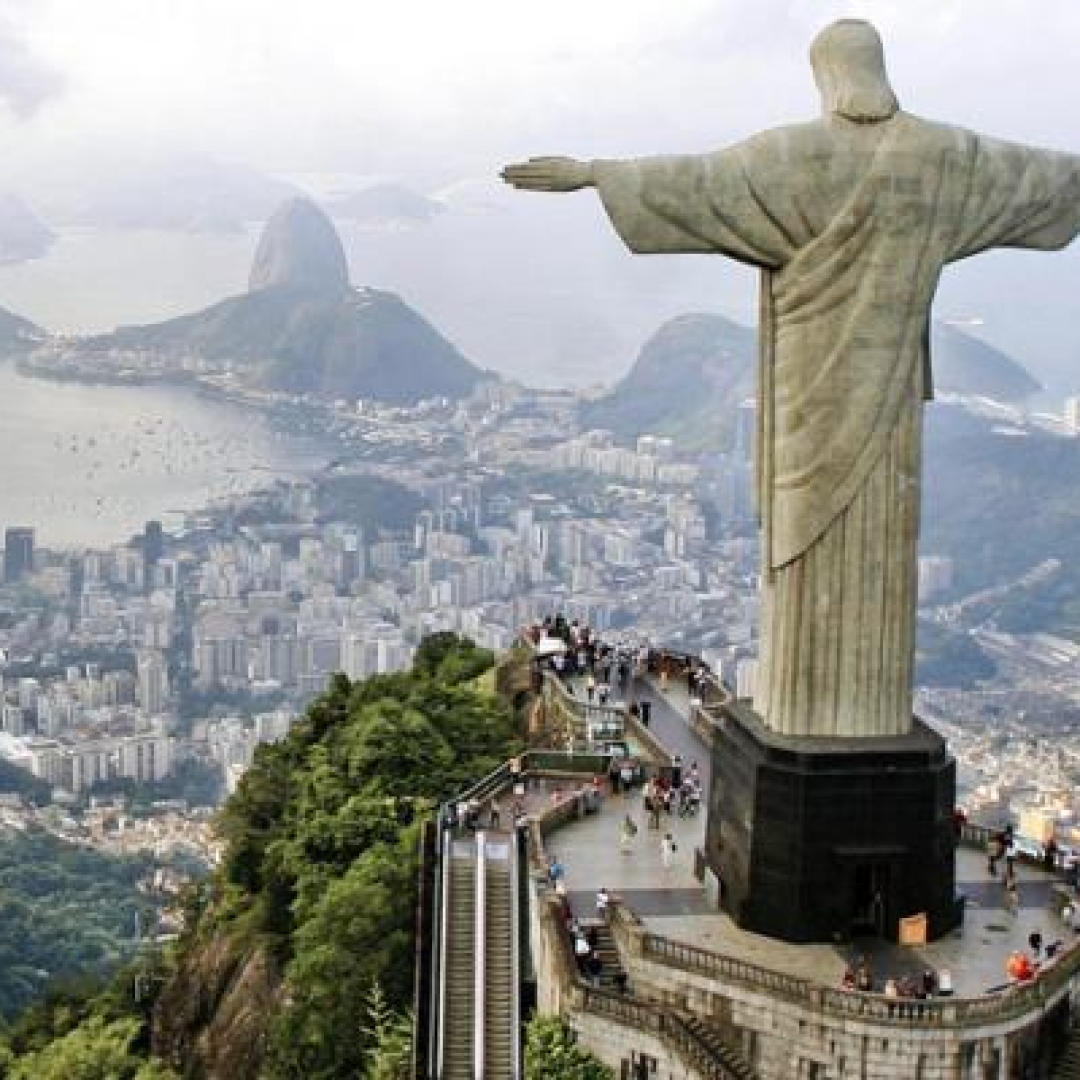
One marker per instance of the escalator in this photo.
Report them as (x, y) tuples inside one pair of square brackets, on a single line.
[(459, 965), (500, 969), (479, 988)]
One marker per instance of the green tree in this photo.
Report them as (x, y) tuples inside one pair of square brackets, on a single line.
[(551, 1053), (96, 1050), (390, 1036), (359, 933)]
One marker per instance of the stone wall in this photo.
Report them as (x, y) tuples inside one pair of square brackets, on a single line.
[(788, 1028), (785, 1032)]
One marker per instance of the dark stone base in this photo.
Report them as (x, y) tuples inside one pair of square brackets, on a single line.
[(826, 839)]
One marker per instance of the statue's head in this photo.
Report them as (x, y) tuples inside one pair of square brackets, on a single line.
[(849, 68)]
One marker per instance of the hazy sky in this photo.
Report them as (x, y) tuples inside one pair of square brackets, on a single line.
[(433, 91), (437, 87)]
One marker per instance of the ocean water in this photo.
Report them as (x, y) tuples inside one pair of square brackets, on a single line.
[(86, 466)]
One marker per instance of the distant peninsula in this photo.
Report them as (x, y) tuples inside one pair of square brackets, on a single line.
[(300, 328)]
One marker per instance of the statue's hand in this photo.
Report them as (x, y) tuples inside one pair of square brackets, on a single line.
[(549, 174)]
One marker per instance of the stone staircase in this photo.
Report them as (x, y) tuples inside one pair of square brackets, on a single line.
[(613, 975), (710, 1051)]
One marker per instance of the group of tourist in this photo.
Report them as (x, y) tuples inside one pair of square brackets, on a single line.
[(672, 793), (859, 976)]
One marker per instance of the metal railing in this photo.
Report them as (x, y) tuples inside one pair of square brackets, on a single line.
[(480, 958)]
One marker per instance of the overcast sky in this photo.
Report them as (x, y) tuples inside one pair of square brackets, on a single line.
[(435, 91), (436, 88)]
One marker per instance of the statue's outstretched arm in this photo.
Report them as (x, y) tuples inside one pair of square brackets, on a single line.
[(550, 174)]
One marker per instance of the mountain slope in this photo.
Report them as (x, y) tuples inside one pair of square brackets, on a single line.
[(346, 343), (687, 381), (18, 335), (691, 375), (302, 328)]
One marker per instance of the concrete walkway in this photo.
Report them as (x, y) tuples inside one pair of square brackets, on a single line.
[(672, 903)]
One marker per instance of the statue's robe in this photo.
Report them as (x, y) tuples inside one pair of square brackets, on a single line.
[(851, 225)]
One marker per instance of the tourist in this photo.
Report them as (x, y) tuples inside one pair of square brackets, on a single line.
[(581, 951), (614, 772), (891, 989), (944, 982), (995, 848), (1035, 943), (1012, 896), (1019, 968), (667, 850), (627, 832), (655, 805), (1008, 845), (603, 901), (929, 983), (646, 712), (676, 771), (595, 967), (1050, 855)]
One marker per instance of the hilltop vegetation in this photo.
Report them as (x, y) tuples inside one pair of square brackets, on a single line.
[(314, 904), (65, 912)]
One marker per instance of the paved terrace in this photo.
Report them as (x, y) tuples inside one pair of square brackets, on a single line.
[(673, 904)]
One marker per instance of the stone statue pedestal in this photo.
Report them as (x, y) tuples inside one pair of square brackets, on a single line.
[(816, 839)]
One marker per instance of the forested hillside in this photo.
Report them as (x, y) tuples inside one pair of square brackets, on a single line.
[(297, 960)]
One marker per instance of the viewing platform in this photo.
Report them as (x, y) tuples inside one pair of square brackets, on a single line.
[(682, 985), (673, 902)]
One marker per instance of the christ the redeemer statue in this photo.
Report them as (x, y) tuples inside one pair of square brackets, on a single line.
[(851, 219)]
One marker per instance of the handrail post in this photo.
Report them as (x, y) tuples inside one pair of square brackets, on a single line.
[(444, 931), (515, 956)]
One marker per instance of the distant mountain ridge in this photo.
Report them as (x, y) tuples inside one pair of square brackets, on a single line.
[(385, 203), (691, 375), (18, 335), (302, 327), (23, 235)]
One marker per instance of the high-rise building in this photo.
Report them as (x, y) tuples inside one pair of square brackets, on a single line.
[(153, 545), (153, 682), (18, 553)]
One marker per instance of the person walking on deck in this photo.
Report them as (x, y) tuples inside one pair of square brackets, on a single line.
[(667, 850)]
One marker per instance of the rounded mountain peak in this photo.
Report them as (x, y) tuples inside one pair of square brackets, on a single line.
[(299, 246)]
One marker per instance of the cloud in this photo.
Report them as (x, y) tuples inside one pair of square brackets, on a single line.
[(26, 81)]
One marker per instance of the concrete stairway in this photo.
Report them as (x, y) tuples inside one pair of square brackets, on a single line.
[(710, 1049), (613, 974)]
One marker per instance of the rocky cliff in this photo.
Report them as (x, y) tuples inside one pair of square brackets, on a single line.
[(300, 247)]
